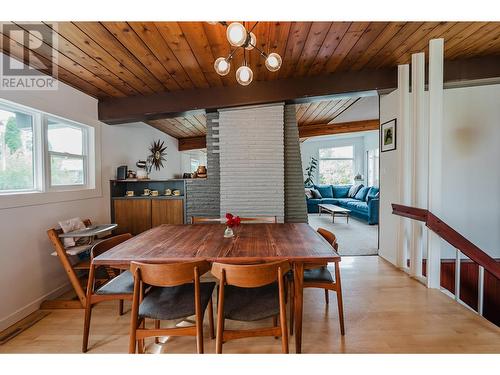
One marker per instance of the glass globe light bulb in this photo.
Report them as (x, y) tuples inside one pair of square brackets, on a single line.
[(236, 34), (273, 62), (253, 40), (244, 75), (222, 66)]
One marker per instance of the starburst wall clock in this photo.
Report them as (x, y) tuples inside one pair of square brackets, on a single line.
[(158, 154)]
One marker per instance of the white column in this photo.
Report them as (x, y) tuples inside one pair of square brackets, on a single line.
[(404, 143), (436, 57), (417, 124)]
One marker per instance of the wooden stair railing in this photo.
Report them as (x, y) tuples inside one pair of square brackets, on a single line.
[(462, 245), (450, 235)]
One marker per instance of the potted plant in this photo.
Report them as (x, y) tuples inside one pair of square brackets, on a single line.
[(313, 165)]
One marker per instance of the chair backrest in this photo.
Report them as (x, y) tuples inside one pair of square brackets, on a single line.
[(58, 245), (329, 236), (259, 220), (108, 243), (251, 275), (169, 274), (206, 220), (243, 220)]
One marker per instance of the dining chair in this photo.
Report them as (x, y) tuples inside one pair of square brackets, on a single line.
[(176, 292), (250, 293), (317, 275), (243, 220), (119, 287)]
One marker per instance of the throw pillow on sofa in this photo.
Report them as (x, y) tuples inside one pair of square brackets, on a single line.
[(340, 191), (354, 190), (372, 193), (325, 190), (361, 194), (308, 193), (316, 194)]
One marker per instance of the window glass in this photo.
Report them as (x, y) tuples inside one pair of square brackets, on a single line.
[(66, 170), (65, 138), (336, 172), (337, 152), (194, 164), (16, 151)]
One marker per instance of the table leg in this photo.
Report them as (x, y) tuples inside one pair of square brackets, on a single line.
[(333, 217), (299, 285)]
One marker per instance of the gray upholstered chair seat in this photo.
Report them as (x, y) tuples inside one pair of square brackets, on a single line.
[(167, 303), (318, 274), (121, 284), (250, 304)]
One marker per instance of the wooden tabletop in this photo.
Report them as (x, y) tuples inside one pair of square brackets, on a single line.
[(251, 242)]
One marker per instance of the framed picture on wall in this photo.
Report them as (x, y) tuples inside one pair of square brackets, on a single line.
[(388, 136)]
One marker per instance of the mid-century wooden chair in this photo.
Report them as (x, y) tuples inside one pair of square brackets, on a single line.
[(317, 276), (244, 220), (71, 269), (120, 287), (175, 293), (250, 293)]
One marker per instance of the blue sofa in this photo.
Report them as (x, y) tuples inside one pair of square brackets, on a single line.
[(365, 204)]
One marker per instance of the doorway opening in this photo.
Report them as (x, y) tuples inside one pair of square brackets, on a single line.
[(341, 160)]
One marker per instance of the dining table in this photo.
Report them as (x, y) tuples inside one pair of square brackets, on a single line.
[(298, 243)]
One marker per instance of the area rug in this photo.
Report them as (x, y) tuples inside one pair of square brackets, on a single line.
[(354, 238)]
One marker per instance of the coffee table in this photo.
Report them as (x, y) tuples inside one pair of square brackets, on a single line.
[(334, 210)]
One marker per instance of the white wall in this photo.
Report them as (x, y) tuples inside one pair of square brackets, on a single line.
[(471, 176), (389, 183), (471, 170), (362, 142), (28, 273)]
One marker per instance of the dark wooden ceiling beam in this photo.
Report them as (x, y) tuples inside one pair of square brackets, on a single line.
[(300, 89), (307, 131), (192, 143)]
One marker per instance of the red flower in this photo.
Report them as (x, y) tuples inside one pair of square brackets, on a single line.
[(232, 221)]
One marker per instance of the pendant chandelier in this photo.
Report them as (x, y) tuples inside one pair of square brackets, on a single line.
[(239, 37)]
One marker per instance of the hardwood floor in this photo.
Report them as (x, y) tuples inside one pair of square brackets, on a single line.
[(385, 312)]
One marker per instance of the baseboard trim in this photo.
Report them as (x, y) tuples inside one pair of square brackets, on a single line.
[(31, 307)]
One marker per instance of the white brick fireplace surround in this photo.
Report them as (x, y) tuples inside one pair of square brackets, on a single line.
[(252, 161)]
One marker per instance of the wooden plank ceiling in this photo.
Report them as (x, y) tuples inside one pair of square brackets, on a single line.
[(314, 113), (118, 59)]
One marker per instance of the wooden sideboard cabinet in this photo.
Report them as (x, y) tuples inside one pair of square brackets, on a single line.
[(139, 213)]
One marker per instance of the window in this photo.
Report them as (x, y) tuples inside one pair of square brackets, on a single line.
[(66, 153), (194, 164), (17, 167), (336, 165), (40, 152), (373, 164)]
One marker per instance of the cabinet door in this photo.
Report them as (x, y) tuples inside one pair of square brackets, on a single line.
[(167, 211), (132, 215)]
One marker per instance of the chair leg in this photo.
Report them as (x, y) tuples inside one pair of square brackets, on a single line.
[(86, 326), (88, 309), (220, 325), (132, 346), (120, 308), (211, 319), (142, 344), (327, 299), (339, 298), (157, 326), (275, 324), (199, 333), (292, 309)]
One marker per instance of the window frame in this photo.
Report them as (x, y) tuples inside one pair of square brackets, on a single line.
[(47, 155), (41, 157), (36, 151), (336, 159)]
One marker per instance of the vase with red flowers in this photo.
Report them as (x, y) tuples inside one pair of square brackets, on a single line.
[(231, 222)]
